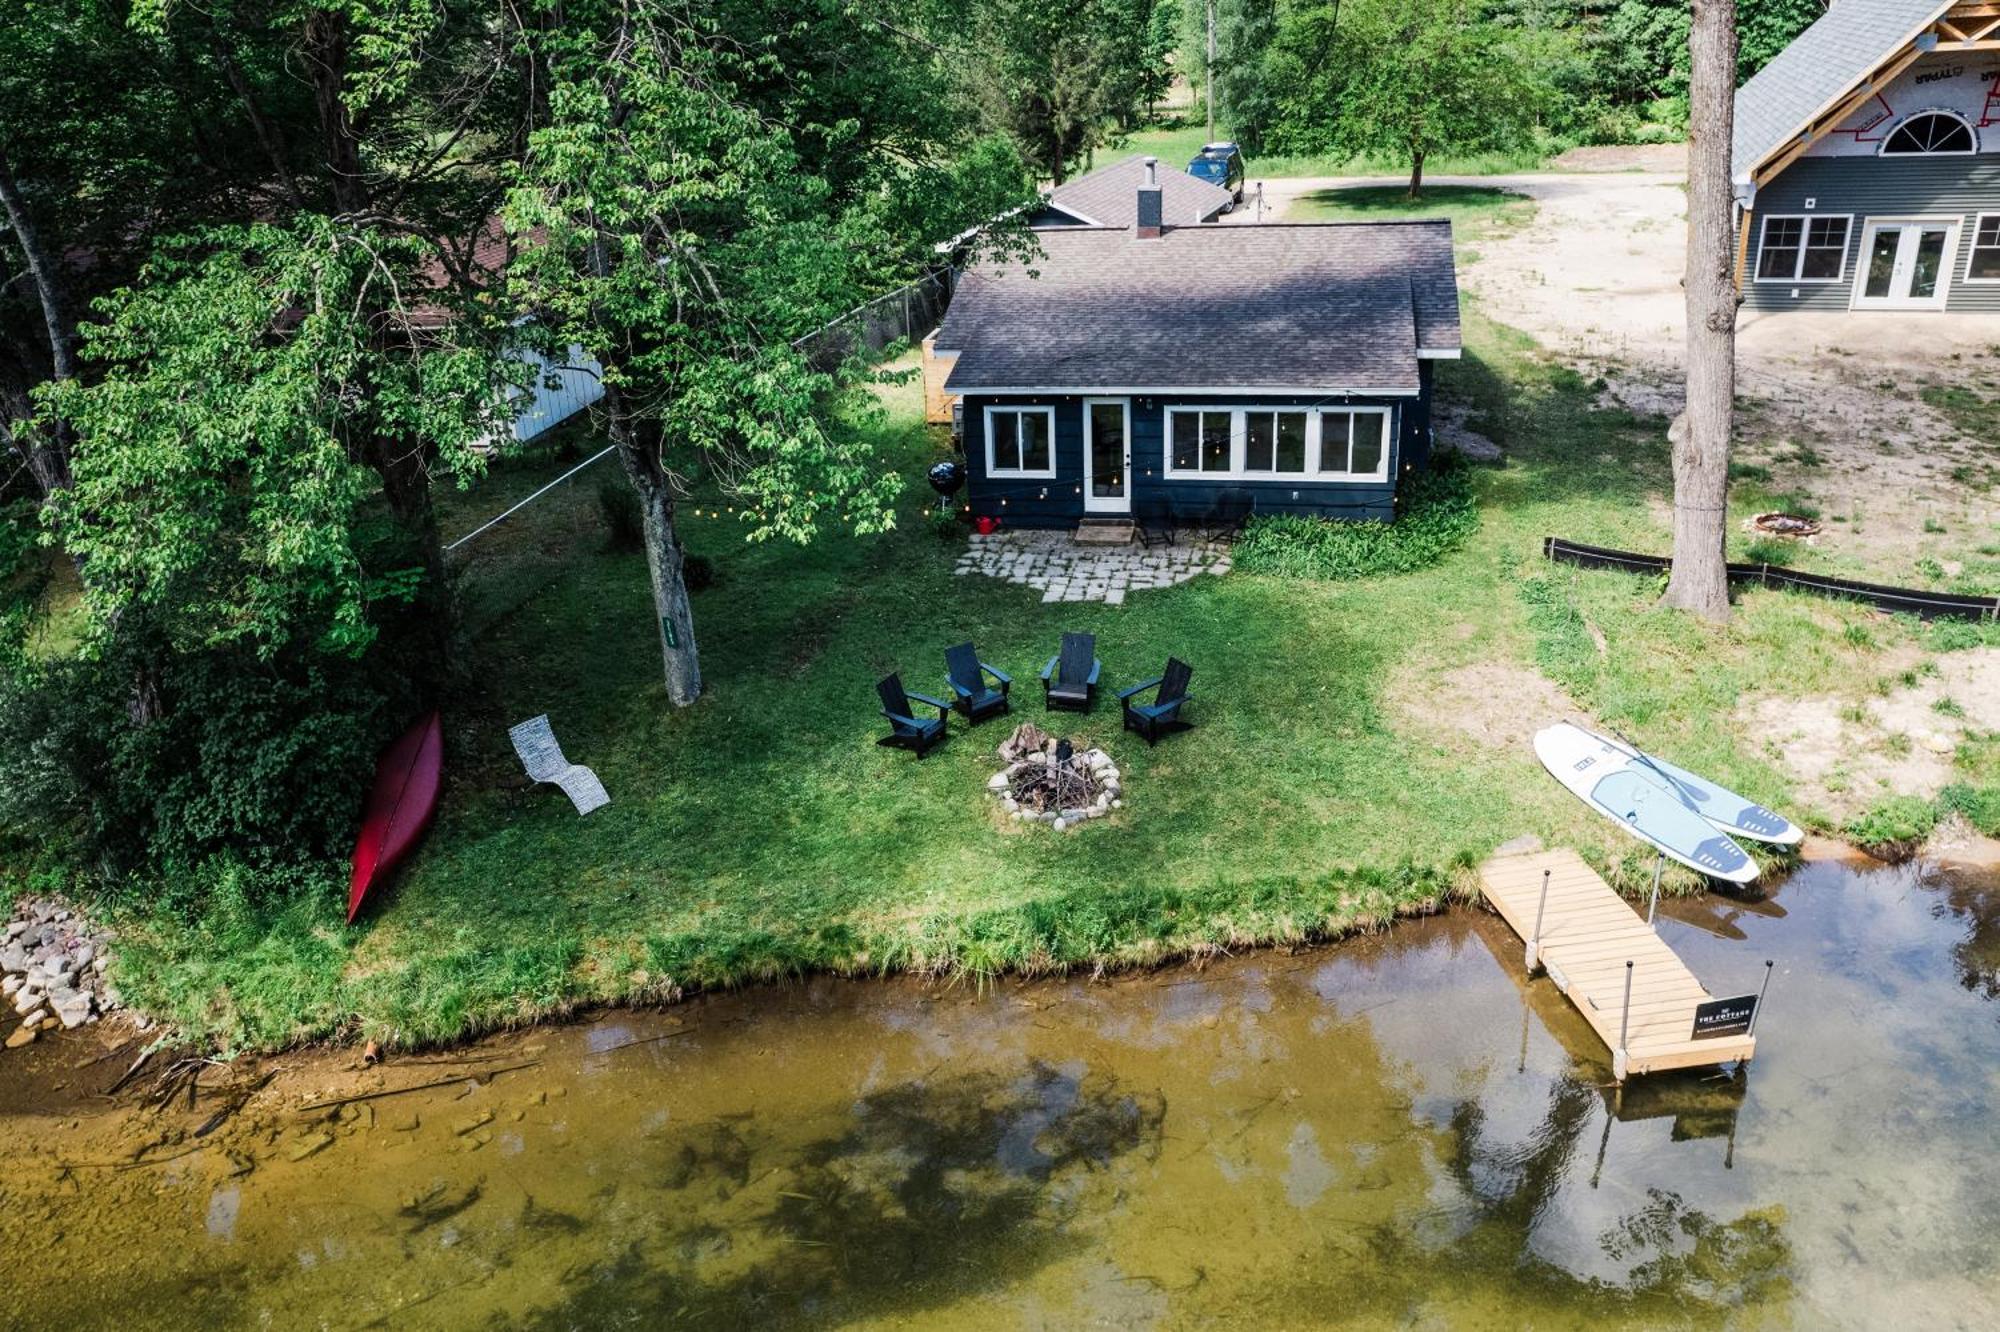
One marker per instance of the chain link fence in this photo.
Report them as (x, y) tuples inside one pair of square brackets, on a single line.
[(910, 312)]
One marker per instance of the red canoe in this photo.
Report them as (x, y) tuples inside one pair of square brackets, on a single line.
[(399, 808)]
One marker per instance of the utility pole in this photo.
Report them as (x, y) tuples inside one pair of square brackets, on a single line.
[(1211, 71)]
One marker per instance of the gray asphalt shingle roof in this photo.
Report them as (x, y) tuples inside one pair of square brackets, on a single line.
[(1828, 60), (1109, 196), (1310, 308)]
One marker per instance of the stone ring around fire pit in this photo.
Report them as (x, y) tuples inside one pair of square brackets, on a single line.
[(1047, 780), (1784, 525)]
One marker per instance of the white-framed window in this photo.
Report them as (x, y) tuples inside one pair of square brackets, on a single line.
[(1804, 247), (1279, 443), (1930, 134), (1983, 264), (1021, 441), (1354, 445)]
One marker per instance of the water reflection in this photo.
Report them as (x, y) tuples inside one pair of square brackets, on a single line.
[(1401, 1129)]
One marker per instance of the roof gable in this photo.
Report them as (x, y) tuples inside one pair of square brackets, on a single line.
[(1109, 196), (1339, 307), (1827, 61)]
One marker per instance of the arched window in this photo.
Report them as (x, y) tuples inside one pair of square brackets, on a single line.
[(1929, 132)]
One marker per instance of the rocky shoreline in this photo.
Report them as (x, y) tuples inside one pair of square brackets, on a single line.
[(52, 970)]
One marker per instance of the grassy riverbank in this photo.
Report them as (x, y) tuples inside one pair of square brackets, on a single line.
[(1358, 745)]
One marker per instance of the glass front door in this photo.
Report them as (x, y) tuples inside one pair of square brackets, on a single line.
[(1107, 455), (1906, 265)]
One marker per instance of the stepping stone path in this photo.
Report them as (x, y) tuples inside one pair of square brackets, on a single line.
[(1061, 570)]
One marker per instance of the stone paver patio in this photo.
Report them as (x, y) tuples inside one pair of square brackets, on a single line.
[(1064, 571)]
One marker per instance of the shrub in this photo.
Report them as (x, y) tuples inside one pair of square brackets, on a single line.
[(624, 523), (265, 759), (1440, 514)]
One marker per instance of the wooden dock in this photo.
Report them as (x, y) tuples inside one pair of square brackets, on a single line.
[(1587, 935)]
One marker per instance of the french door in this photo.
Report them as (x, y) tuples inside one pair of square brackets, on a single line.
[(1107, 455), (1905, 263)]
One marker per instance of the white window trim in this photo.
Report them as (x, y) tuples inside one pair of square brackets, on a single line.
[(1799, 264), (1973, 247), (1047, 473), (1239, 439), (1971, 130)]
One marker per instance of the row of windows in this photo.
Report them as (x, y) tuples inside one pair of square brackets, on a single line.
[(1336, 443), (1814, 249)]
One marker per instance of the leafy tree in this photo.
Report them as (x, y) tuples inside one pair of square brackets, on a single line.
[(1407, 78), (1050, 76), (677, 236), (1245, 90)]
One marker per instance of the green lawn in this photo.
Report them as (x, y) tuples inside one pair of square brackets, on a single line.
[(1344, 767)]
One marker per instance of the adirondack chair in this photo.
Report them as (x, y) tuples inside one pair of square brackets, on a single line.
[(1163, 714), (1232, 512), (906, 729), (1069, 681), (966, 674)]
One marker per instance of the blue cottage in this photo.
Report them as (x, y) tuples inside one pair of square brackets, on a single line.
[(1179, 372)]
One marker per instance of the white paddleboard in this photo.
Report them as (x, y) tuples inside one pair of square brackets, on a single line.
[(1737, 815), (1611, 780)]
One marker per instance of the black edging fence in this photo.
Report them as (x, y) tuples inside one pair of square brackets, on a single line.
[(1900, 600)]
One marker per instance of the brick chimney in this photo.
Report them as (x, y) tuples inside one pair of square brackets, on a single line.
[(1150, 212)]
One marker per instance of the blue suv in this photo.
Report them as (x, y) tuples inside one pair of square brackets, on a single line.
[(1220, 164)]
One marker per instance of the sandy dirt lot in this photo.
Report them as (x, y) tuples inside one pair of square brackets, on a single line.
[(1832, 404)]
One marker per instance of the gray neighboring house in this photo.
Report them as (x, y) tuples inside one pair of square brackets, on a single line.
[(1181, 372), (1108, 197), (1866, 162)]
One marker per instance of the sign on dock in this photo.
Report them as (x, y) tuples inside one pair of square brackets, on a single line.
[(1635, 992)]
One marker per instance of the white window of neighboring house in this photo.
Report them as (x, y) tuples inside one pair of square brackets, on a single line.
[(1021, 441), (1984, 265), (1930, 132), (1803, 248)]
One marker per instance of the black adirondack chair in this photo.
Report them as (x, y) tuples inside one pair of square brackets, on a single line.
[(1163, 714), (1232, 512), (906, 729), (1069, 681), (966, 674)]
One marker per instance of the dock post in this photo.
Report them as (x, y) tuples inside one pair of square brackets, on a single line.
[(1535, 939), (1659, 863), (1762, 990), (1624, 1026)]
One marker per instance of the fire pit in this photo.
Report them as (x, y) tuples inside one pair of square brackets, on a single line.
[(1784, 525), (1051, 781)]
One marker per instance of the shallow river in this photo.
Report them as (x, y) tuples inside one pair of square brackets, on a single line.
[(1394, 1130)]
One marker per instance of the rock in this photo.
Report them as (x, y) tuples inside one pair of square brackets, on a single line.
[(1117, 804), (1060, 823), (35, 1016), (13, 958), (83, 955), (1939, 744), (74, 1014), (404, 1121), (99, 963), (15, 929), (997, 782), (308, 1145), (21, 1036), (27, 999), (1009, 804), (465, 1126), (9, 985)]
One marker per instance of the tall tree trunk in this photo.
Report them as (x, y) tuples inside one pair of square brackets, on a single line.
[(327, 52), (1700, 581), (46, 451), (1416, 173), (639, 451)]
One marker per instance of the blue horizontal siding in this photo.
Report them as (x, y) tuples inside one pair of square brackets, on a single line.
[(1057, 502), (1876, 187)]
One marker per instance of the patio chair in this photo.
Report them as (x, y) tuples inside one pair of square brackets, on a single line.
[(906, 729), (1069, 681), (1233, 510), (966, 674), (1156, 525), (1163, 714), (535, 744)]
